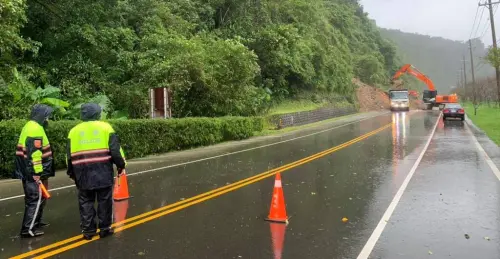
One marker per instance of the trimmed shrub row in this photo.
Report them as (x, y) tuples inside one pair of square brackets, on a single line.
[(139, 138)]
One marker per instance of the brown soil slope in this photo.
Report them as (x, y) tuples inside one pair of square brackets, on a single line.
[(371, 98), (374, 99)]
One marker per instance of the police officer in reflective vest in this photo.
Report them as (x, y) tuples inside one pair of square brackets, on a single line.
[(34, 165), (92, 149)]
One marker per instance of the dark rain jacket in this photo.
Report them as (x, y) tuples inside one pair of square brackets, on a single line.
[(92, 149), (33, 153)]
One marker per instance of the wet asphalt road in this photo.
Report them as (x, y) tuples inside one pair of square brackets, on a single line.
[(453, 193), (451, 208)]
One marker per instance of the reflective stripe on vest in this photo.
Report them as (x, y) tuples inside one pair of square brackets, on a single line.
[(37, 161), (89, 142)]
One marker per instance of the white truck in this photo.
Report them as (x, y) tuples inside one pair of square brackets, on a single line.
[(400, 100)]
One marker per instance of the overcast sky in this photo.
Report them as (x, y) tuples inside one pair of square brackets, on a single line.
[(451, 19)]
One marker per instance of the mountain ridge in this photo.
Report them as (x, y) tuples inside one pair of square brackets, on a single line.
[(439, 58)]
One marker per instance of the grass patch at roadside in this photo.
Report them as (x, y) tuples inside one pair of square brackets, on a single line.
[(487, 118), (290, 106), (267, 131)]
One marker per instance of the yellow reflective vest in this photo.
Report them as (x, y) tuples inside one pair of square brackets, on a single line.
[(33, 153), (92, 149)]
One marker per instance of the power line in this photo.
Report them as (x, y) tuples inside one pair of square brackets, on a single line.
[(494, 38), (485, 25), (485, 29), (487, 20), (479, 24), (475, 19), (483, 62), (480, 65)]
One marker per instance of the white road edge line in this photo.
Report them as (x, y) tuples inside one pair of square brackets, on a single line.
[(372, 241), (492, 165), (213, 157)]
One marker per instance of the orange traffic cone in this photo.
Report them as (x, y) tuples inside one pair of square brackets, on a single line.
[(120, 211), (278, 238), (120, 191), (277, 212)]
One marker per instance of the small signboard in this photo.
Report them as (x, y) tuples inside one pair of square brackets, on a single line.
[(160, 100)]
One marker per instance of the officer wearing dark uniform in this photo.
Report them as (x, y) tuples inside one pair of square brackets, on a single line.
[(92, 149), (34, 164)]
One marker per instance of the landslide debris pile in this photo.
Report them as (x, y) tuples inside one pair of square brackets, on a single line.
[(371, 98)]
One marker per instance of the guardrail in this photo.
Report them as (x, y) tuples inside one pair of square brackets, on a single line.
[(301, 118)]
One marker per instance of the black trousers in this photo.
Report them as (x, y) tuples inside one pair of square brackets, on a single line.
[(86, 200), (34, 203)]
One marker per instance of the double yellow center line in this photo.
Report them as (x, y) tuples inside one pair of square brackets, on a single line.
[(77, 241)]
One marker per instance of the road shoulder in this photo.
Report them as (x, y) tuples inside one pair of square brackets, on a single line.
[(491, 149)]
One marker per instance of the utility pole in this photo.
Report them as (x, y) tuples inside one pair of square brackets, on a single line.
[(465, 78), (462, 78), (493, 34), (473, 78)]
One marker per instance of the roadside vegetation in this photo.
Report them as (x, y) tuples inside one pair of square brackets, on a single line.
[(139, 137), (309, 101), (487, 118), (290, 106), (222, 59), (219, 57), (481, 105)]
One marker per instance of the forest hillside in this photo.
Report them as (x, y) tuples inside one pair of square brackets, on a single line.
[(219, 57), (439, 58)]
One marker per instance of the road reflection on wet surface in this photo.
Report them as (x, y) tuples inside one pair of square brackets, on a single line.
[(451, 194)]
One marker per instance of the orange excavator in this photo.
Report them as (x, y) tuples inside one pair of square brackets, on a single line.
[(430, 97)]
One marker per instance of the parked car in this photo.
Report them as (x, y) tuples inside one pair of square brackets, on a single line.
[(453, 110)]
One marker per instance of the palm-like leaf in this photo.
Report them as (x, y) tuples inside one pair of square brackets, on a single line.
[(50, 91), (55, 102), (20, 86), (102, 100)]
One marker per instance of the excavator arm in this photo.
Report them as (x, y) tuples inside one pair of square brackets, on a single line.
[(411, 70), (430, 96)]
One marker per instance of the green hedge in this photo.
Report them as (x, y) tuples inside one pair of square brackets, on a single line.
[(139, 138)]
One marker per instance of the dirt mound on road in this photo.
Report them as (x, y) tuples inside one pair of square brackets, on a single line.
[(416, 104), (371, 98), (374, 99)]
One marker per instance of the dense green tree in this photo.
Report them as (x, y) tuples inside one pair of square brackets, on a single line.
[(220, 57), (12, 43)]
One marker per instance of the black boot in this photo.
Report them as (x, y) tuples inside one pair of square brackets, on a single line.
[(43, 224), (88, 236), (33, 233), (106, 232)]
